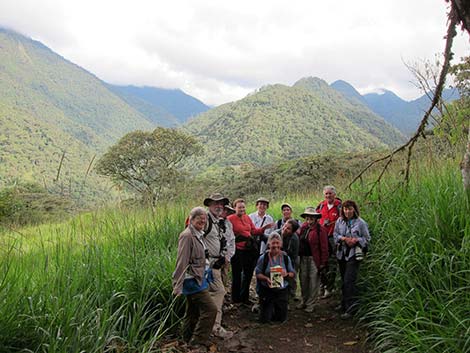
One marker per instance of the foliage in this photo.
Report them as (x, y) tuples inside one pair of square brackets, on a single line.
[(29, 203), (148, 162), (99, 283), (279, 122), (164, 107), (455, 123), (49, 106), (416, 278)]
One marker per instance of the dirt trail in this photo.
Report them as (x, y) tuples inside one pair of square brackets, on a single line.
[(321, 331)]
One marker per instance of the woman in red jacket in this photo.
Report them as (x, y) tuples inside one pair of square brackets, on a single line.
[(244, 260), (313, 252)]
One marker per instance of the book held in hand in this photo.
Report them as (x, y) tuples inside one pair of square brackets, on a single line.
[(277, 281)]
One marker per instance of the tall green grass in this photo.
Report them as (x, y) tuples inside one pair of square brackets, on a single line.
[(417, 275), (102, 282), (99, 283)]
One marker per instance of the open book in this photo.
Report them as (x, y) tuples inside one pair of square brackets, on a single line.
[(277, 281)]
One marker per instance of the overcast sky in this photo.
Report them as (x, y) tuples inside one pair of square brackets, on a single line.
[(218, 51)]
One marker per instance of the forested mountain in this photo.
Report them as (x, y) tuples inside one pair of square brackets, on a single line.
[(404, 115), (355, 111), (50, 106), (279, 122), (165, 107)]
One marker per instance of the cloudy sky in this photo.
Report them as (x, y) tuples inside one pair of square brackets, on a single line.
[(218, 51)]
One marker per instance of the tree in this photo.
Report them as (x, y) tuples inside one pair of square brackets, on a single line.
[(458, 14), (148, 162), (460, 120)]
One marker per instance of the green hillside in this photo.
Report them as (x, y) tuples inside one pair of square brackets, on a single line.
[(49, 106), (356, 111), (280, 122)]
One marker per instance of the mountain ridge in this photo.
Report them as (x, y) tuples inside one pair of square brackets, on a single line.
[(280, 122)]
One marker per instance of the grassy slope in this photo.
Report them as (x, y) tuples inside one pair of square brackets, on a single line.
[(49, 105), (418, 272), (108, 274)]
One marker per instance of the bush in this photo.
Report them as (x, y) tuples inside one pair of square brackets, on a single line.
[(29, 203)]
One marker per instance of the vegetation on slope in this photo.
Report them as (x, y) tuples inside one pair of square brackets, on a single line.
[(165, 107), (417, 276), (279, 122), (48, 107)]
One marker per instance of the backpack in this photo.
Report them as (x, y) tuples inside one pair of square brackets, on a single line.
[(266, 260)]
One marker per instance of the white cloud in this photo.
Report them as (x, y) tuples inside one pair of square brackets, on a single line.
[(219, 51)]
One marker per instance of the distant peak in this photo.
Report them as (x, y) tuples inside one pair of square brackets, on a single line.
[(310, 80)]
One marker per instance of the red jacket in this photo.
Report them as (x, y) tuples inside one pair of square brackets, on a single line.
[(243, 227), (329, 215), (318, 243)]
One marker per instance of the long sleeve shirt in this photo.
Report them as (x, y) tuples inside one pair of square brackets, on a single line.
[(259, 221), (243, 227), (190, 260), (353, 228), (213, 238)]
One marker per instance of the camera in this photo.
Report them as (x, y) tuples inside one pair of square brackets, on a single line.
[(219, 262), (222, 226)]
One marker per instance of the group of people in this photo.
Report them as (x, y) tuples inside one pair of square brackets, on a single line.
[(331, 235)]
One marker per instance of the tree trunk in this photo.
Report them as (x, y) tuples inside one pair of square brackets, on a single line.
[(465, 167)]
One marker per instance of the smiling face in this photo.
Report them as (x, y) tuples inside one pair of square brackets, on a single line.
[(262, 206), (310, 219), (286, 213), (217, 208), (329, 195), (199, 222), (287, 229), (240, 209), (348, 212), (275, 246)]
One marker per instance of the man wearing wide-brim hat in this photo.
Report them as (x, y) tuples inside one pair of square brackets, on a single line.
[(220, 244)]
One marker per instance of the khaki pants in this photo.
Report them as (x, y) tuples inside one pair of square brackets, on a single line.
[(200, 317), (309, 281), (217, 292)]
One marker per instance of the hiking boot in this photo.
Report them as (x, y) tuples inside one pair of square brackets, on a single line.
[(301, 306), (346, 316), (195, 347), (309, 310), (223, 333), (338, 308), (255, 308)]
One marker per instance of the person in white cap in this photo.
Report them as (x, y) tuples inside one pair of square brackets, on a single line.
[(261, 218)]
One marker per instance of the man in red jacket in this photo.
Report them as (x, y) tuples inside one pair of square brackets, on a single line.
[(330, 211)]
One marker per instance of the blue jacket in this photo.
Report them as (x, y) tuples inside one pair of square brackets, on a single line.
[(354, 228)]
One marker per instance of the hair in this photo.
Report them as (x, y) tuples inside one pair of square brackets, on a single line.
[(347, 204), (196, 212), (294, 224), (274, 236), (238, 201), (330, 187)]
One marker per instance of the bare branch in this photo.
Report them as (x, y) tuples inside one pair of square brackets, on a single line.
[(451, 32)]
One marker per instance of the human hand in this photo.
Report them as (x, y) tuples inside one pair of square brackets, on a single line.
[(268, 225), (284, 273)]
